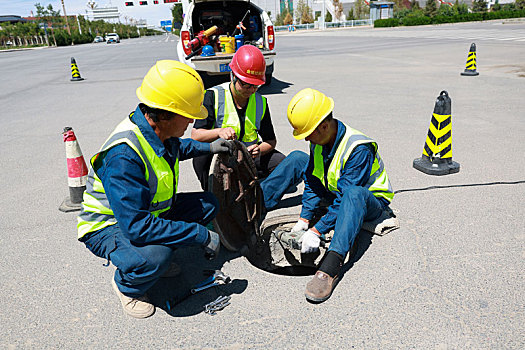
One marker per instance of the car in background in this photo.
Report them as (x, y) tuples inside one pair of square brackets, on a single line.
[(98, 39), (112, 38)]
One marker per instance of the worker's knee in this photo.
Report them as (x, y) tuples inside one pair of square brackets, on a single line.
[(151, 261), (299, 157), (355, 195)]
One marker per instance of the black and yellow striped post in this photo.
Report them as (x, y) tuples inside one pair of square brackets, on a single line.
[(470, 68), (75, 73), (437, 153)]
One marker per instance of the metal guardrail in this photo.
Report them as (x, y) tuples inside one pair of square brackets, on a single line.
[(344, 24)]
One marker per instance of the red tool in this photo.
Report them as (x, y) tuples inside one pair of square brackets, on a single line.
[(201, 39)]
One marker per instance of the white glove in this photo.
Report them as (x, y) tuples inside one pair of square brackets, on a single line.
[(310, 242), (300, 226)]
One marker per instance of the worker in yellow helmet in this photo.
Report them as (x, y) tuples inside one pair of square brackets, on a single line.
[(132, 214), (344, 169)]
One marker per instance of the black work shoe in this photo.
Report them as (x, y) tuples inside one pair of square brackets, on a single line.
[(320, 287)]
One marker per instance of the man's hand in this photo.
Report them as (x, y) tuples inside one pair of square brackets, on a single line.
[(221, 146), (254, 150), (301, 225), (310, 242), (227, 133), (212, 245)]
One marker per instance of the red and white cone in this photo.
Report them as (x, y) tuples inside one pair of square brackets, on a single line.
[(76, 171)]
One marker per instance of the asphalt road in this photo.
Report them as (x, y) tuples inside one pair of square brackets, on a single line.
[(450, 278)]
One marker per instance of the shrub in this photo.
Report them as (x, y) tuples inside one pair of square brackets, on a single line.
[(416, 21), (387, 22)]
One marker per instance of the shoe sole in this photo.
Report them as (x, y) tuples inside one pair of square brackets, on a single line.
[(314, 300)]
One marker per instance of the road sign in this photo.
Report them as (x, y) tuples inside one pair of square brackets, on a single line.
[(165, 23)]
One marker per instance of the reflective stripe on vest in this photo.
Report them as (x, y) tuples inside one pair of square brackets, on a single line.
[(226, 113), (378, 182), (162, 180)]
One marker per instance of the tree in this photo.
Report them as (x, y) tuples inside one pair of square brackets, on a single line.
[(460, 8), (430, 8), (176, 12), (496, 6), (350, 16), (328, 17), (338, 7), (304, 12), (445, 10), (288, 19), (519, 4), (414, 4), (361, 9), (479, 6)]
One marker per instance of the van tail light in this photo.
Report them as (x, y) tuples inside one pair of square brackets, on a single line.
[(271, 38), (185, 37)]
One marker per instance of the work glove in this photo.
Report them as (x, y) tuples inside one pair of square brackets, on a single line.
[(301, 225), (221, 146), (310, 242), (212, 245), (293, 238)]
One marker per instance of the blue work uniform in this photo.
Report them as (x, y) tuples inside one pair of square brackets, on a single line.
[(352, 204), (141, 245)]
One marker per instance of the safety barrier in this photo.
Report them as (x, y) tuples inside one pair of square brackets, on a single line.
[(318, 25)]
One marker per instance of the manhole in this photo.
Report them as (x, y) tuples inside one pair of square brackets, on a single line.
[(274, 255)]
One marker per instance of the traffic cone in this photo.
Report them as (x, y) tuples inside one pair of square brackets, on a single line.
[(437, 153), (470, 68), (75, 73), (76, 170)]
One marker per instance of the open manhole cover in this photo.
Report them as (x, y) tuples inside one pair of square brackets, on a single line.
[(233, 180)]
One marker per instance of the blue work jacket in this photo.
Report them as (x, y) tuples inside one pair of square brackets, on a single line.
[(122, 175), (356, 172)]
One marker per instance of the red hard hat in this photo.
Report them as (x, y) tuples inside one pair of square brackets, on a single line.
[(248, 64)]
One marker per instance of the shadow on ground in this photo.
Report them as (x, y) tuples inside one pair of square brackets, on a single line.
[(276, 87), (173, 295)]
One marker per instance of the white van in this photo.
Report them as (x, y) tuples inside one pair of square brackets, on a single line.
[(201, 15)]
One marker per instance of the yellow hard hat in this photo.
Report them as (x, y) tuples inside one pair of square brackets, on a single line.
[(307, 110), (175, 87)]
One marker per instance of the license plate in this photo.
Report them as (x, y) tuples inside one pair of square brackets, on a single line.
[(224, 68)]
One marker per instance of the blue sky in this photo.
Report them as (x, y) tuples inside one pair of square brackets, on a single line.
[(152, 13)]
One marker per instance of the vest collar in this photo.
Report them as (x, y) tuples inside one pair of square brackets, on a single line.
[(341, 129), (140, 120)]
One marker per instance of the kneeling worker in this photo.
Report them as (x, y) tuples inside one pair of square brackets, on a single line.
[(237, 111), (132, 214), (344, 168)]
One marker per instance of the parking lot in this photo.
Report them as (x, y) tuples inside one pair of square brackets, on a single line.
[(450, 278)]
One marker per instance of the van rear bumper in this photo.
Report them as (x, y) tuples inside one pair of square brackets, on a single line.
[(212, 64)]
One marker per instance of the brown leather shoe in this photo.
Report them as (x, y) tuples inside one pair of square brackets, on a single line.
[(320, 287)]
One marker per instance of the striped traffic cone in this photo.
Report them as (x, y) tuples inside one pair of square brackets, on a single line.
[(75, 73), (76, 171), (470, 68), (437, 153)]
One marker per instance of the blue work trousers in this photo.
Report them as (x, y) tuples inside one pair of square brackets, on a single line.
[(284, 178), (357, 205), (140, 266)]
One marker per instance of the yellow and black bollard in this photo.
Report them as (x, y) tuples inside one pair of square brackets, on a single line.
[(470, 69), (75, 73), (437, 153)]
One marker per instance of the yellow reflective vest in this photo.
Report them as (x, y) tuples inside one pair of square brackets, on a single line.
[(226, 113), (378, 182), (162, 180)]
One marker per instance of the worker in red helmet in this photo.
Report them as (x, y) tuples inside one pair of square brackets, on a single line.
[(237, 111)]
